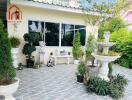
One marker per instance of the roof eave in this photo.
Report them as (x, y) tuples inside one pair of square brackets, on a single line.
[(52, 7)]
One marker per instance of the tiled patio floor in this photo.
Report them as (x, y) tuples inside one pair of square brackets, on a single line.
[(59, 83)]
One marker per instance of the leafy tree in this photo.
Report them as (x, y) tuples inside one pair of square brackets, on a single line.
[(102, 10), (111, 25), (7, 71), (76, 46)]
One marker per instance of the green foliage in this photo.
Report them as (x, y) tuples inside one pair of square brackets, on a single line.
[(114, 88), (29, 47), (103, 7), (81, 69), (32, 37), (90, 46), (76, 46), (15, 42), (98, 86), (7, 71), (112, 25), (117, 86), (123, 40)]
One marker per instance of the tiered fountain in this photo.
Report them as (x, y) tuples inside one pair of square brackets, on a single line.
[(105, 58)]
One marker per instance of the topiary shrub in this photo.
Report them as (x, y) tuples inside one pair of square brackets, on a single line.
[(29, 48), (7, 71), (81, 69), (114, 88), (76, 46), (90, 46), (15, 42)]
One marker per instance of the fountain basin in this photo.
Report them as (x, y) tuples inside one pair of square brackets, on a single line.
[(104, 70), (109, 44), (105, 58)]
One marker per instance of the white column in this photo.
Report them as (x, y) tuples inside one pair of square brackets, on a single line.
[(104, 70)]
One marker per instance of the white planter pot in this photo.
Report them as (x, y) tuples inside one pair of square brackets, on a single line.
[(9, 90), (76, 62), (14, 52)]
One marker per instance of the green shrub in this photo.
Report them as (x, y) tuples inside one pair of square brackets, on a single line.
[(90, 47), (7, 71), (117, 86), (114, 88), (15, 42), (119, 80), (123, 40), (76, 46), (98, 86), (28, 49), (112, 25), (81, 69)]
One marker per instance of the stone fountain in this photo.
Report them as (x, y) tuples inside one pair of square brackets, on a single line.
[(105, 58)]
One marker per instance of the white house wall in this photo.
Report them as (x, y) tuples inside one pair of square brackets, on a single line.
[(38, 14)]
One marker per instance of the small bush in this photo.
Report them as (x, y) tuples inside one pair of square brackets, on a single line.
[(15, 42), (81, 69), (117, 86), (98, 86), (114, 88)]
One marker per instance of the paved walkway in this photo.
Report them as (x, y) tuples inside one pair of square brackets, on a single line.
[(59, 83)]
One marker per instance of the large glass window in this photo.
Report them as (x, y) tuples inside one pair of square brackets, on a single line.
[(52, 34), (82, 30), (67, 34)]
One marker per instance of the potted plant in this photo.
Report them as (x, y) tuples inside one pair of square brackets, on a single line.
[(29, 48), (90, 47), (81, 72), (15, 42), (8, 81), (76, 48)]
